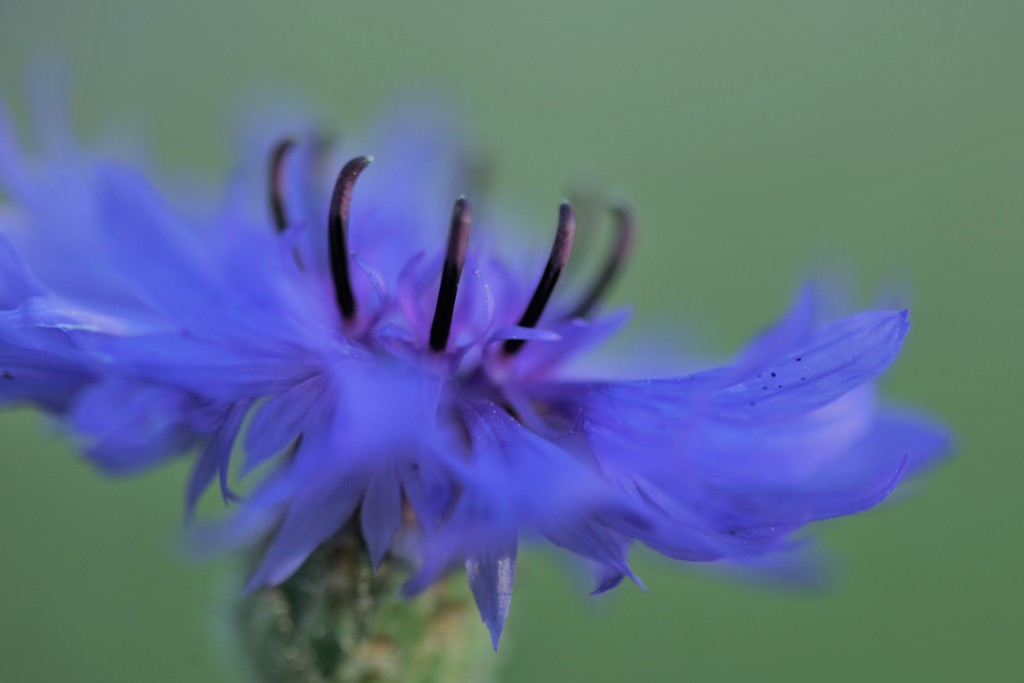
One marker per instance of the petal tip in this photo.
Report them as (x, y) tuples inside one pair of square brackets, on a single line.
[(255, 582), (637, 581), (495, 630)]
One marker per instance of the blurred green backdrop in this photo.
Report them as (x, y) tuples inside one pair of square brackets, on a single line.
[(758, 139)]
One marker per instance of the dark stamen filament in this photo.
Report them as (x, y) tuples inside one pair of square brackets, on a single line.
[(455, 258), (560, 251), (276, 183), (625, 233), (337, 232)]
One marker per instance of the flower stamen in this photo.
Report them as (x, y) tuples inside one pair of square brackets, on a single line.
[(337, 231), (557, 261), (455, 258), (625, 235), (276, 183)]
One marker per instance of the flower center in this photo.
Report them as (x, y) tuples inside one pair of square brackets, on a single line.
[(455, 255)]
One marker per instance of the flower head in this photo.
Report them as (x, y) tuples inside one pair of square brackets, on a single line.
[(415, 381)]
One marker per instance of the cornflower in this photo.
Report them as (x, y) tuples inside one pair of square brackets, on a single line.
[(381, 380)]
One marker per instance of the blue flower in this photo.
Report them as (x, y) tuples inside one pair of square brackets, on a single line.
[(424, 386)]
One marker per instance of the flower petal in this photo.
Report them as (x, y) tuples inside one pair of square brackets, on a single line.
[(381, 513), (216, 458), (491, 573), (129, 425), (279, 422), (311, 519), (792, 331), (839, 358), (592, 541)]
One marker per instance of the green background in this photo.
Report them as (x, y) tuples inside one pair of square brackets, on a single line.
[(759, 140)]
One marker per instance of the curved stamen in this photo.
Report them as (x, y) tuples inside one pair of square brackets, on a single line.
[(560, 251), (337, 233), (455, 258), (275, 183), (625, 234)]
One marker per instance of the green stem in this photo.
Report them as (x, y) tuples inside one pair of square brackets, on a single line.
[(337, 621)]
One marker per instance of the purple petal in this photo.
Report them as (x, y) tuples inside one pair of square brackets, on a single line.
[(42, 366), (216, 458), (575, 337), (591, 541), (381, 513), (13, 165), (311, 519), (277, 423), (839, 358), (491, 574), (430, 492), (605, 578), (251, 523), (130, 425), (218, 371), (922, 439), (793, 330), (16, 283)]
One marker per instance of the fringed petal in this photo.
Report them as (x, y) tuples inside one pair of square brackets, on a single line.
[(491, 573)]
